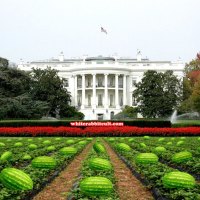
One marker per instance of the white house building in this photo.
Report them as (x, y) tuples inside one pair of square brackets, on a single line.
[(101, 86)]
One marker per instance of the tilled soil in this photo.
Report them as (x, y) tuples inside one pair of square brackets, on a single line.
[(129, 187), (59, 188)]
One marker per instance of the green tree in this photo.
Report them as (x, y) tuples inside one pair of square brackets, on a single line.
[(48, 86), (127, 112), (158, 94)]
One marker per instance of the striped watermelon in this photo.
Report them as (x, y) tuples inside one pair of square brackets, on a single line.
[(51, 148), (146, 158), (46, 142), (123, 147), (70, 142), (131, 140), (169, 143), (99, 148), (44, 162), (180, 143), (146, 137), (68, 151), (18, 144), (26, 157), (32, 146), (7, 155), (82, 142), (30, 140), (96, 186), (161, 139), (100, 164), (178, 180), (159, 150), (143, 145), (182, 156), (16, 179), (57, 139), (2, 144)]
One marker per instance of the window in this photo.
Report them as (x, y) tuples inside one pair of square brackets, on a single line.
[(112, 82), (88, 82), (134, 102), (79, 82), (111, 99), (89, 100), (66, 82), (79, 100), (100, 103), (100, 81), (134, 81), (120, 81)]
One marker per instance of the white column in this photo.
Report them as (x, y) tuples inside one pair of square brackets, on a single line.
[(94, 91), (124, 90), (75, 91), (106, 91), (83, 91), (116, 91)]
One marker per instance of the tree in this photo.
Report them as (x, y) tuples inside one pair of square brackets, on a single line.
[(15, 98), (195, 97), (127, 112), (157, 94), (48, 86)]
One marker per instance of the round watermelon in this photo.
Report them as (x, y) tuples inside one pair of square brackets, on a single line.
[(123, 147), (68, 151), (46, 142), (131, 140), (70, 141), (44, 162), (146, 158), (178, 180), (6, 156), (182, 156), (16, 179), (146, 137), (143, 145), (32, 146), (18, 144), (26, 157), (96, 186), (99, 148), (100, 164), (180, 143), (2, 144), (51, 148), (159, 150)]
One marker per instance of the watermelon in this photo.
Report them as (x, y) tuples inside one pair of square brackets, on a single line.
[(70, 142), (6, 156), (161, 139), (146, 158), (131, 140), (57, 139), (44, 162), (99, 148), (26, 157), (46, 142), (182, 156), (111, 139), (180, 143), (100, 164), (183, 138), (2, 144), (178, 180), (82, 142), (89, 139), (169, 143), (159, 150), (68, 151), (146, 137), (32, 146), (96, 186), (16, 179), (143, 145), (198, 138), (123, 147), (18, 144), (8, 140), (51, 148), (30, 140)]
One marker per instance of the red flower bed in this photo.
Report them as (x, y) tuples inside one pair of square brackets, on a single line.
[(97, 131)]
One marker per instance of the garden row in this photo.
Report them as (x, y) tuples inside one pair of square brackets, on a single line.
[(145, 156), (28, 164), (98, 131)]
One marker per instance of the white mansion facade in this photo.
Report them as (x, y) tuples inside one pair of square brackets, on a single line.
[(101, 86)]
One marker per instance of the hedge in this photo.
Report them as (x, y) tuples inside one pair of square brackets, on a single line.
[(30, 123)]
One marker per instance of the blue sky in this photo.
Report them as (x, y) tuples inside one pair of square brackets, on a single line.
[(41, 29)]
